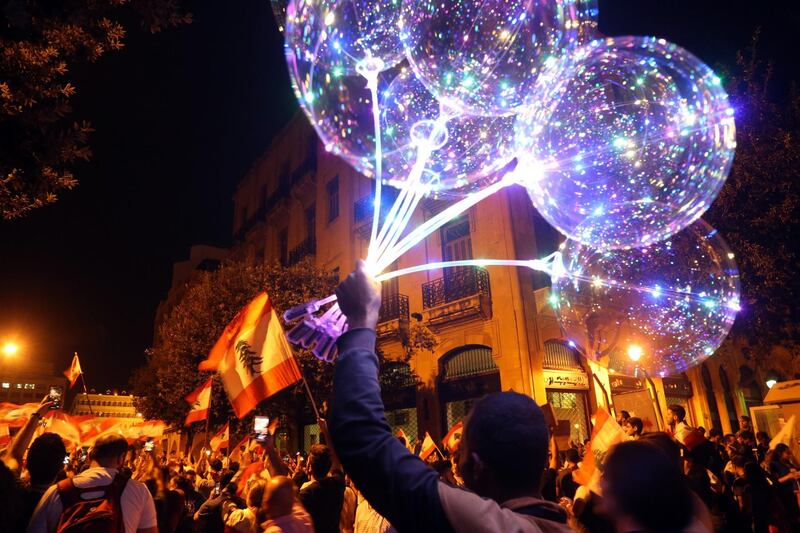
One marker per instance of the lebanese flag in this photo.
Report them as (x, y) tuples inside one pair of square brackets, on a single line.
[(93, 428), (428, 447), (236, 452), (606, 433), (253, 469), (16, 415), (149, 429), (450, 441), (74, 370), (200, 400), (5, 435), (66, 426), (252, 356), (220, 440)]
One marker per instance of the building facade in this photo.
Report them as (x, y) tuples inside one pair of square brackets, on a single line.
[(110, 404), (496, 328), (25, 381)]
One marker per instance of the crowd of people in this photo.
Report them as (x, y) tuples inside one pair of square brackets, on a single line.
[(505, 473)]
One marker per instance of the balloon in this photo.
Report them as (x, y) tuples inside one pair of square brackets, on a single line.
[(332, 47), (279, 12), (662, 308), (628, 141), (484, 57), (459, 150)]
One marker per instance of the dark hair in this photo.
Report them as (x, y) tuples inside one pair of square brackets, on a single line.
[(636, 423), (572, 455), (319, 457), (109, 447), (216, 465), (631, 470), (738, 461), (763, 435), (678, 411), (624, 415), (45, 458), (746, 434), (226, 478), (234, 467), (714, 432), (774, 455), (745, 417), (507, 430), (666, 444), (184, 484)]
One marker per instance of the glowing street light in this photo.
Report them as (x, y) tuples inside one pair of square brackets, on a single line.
[(771, 383), (10, 349), (634, 352)]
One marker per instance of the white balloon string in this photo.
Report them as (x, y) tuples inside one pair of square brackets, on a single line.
[(372, 84)]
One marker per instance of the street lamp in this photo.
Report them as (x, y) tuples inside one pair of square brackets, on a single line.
[(771, 382), (10, 349), (634, 353)]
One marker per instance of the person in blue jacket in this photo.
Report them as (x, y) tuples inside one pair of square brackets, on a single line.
[(503, 451)]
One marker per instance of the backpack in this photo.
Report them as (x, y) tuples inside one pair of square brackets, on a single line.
[(97, 515)]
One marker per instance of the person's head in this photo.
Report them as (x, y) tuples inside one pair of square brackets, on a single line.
[(762, 438), (781, 452), (45, 458), (666, 444), (161, 475), (623, 416), (738, 462), (279, 497), (504, 446), (633, 427), (255, 495), (215, 466), (676, 413), (571, 456), (234, 467), (109, 451), (633, 472), (319, 460), (744, 422), (714, 435), (225, 480), (730, 439), (746, 438), (702, 430)]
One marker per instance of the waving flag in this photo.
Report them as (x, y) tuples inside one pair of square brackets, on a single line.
[(428, 447), (5, 435), (252, 357), (16, 415), (74, 371), (221, 439), (606, 433), (200, 400), (450, 441)]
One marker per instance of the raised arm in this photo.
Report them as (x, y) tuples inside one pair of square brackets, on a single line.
[(396, 483), (15, 452)]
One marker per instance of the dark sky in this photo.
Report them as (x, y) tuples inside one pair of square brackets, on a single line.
[(180, 116)]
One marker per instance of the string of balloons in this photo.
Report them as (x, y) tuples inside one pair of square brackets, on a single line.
[(622, 143)]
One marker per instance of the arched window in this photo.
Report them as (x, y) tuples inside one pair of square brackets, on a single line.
[(729, 395), (465, 374), (716, 422)]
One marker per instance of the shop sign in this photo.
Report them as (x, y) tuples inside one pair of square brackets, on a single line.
[(625, 383), (677, 387), (565, 379)]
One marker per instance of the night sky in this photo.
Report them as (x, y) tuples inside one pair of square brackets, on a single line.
[(180, 116)]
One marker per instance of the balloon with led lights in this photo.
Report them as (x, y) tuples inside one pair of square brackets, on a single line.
[(484, 57), (460, 152), (279, 12), (332, 49), (631, 141), (661, 308)]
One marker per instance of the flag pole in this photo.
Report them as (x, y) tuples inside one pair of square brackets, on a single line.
[(308, 391), (86, 393), (208, 415)]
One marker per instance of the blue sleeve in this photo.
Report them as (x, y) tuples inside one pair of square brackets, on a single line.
[(398, 484)]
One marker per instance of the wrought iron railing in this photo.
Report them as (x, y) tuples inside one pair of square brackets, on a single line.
[(457, 283), (395, 307), (305, 248)]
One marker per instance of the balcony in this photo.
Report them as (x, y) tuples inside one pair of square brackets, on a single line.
[(461, 294), (393, 317), (304, 249)]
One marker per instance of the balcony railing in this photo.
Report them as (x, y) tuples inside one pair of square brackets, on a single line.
[(305, 248), (364, 208), (395, 307), (457, 283)]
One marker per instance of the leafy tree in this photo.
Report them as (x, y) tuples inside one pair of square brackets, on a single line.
[(40, 41), (757, 210)]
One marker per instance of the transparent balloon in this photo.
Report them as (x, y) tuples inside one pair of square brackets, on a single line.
[(333, 50), (629, 140), (662, 308), (460, 152), (279, 13), (484, 57)]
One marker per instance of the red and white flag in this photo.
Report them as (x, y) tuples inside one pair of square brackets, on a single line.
[(606, 433), (235, 453), (200, 400), (428, 447), (5, 435), (66, 426), (221, 439), (252, 356), (16, 415), (450, 441), (74, 371)]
